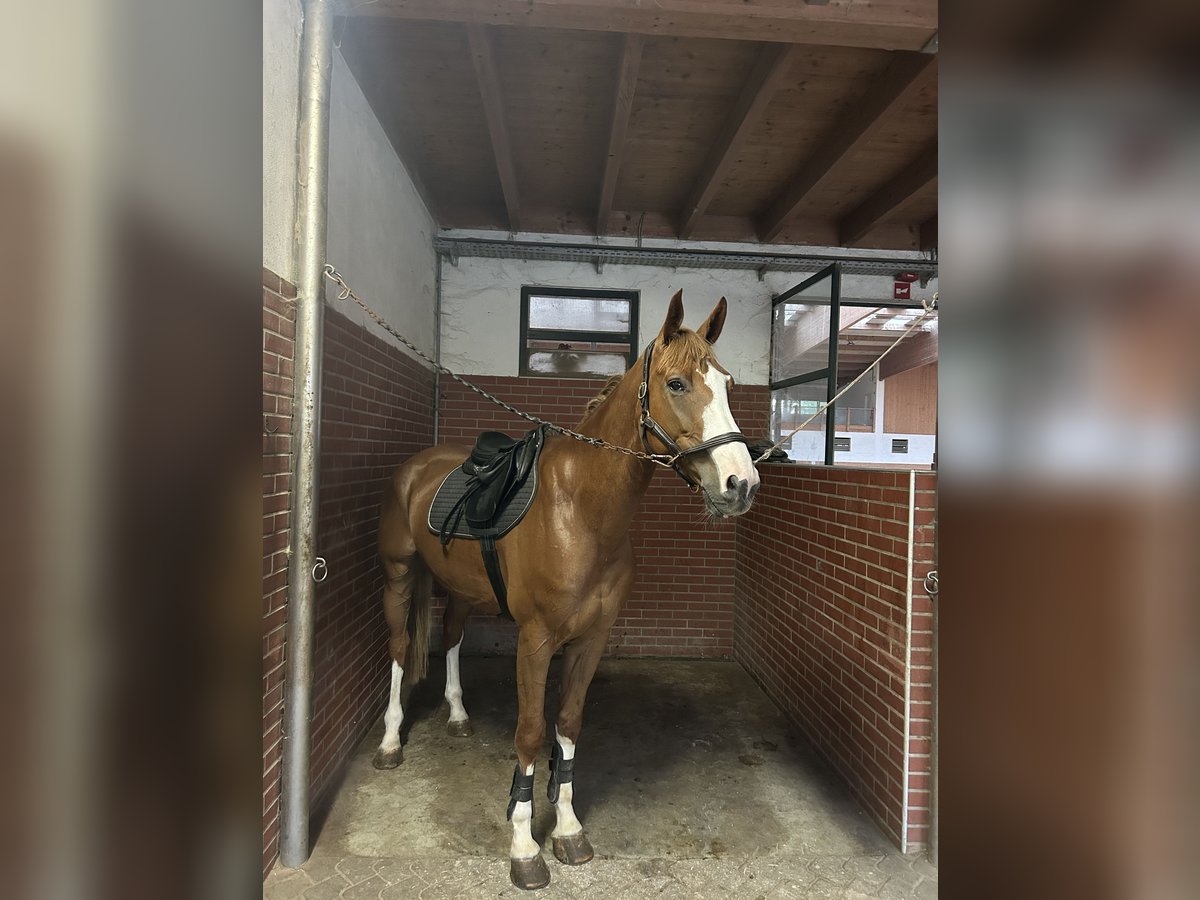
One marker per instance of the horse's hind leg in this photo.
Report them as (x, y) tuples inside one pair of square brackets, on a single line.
[(453, 624), (402, 577)]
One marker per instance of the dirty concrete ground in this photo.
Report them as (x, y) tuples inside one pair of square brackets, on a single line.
[(689, 783)]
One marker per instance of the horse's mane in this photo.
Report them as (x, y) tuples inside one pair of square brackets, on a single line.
[(594, 403), (687, 350)]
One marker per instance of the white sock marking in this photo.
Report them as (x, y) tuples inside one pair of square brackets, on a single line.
[(458, 712), (523, 844), (731, 458), (565, 821), (394, 717)]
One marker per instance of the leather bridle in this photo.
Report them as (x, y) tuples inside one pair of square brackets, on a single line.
[(676, 452)]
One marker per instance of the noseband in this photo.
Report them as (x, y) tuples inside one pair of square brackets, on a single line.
[(651, 426)]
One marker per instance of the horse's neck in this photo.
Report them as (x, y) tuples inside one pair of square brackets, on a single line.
[(616, 480)]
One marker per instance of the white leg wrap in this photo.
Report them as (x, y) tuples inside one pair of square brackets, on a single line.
[(458, 712), (523, 844), (565, 821), (394, 717)]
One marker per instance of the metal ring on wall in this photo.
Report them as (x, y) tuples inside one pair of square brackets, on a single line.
[(322, 567)]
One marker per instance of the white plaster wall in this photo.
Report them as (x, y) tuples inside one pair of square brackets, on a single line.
[(282, 22), (481, 307), (809, 446), (380, 233)]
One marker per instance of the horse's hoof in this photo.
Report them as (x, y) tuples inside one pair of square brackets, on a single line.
[(459, 729), (388, 759), (529, 874), (573, 850)]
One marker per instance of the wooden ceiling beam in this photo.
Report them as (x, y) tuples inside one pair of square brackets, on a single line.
[(627, 76), (769, 72), (882, 24), (916, 350), (916, 176), (484, 60), (928, 235), (896, 86)]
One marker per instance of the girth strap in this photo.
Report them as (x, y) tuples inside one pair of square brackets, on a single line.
[(561, 772), (491, 562), (521, 790)]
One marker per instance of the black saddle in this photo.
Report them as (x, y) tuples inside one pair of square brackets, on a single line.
[(485, 497)]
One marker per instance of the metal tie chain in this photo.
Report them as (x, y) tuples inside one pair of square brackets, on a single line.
[(347, 292)]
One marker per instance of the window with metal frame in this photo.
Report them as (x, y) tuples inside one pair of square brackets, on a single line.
[(578, 332), (819, 342)]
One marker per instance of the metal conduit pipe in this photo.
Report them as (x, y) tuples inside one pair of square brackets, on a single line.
[(316, 64), (437, 347)]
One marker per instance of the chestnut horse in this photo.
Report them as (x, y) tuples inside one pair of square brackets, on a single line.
[(568, 564)]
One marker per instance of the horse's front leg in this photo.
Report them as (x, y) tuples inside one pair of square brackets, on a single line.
[(534, 650), (580, 659)]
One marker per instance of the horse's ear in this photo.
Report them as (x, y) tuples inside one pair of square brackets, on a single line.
[(674, 319), (711, 329)]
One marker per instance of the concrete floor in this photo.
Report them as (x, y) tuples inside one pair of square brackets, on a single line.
[(689, 783)]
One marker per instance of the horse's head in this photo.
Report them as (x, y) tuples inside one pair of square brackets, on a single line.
[(688, 401)]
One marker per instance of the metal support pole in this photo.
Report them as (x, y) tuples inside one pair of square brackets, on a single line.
[(316, 64)]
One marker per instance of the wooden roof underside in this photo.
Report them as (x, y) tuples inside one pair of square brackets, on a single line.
[(764, 120)]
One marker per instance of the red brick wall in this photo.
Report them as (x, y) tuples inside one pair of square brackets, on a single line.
[(278, 342), (821, 622), (682, 603), (920, 704), (377, 410)]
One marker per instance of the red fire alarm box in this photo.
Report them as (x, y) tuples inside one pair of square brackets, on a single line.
[(902, 290)]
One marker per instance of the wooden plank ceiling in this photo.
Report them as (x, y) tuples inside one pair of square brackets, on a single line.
[(779, 121)]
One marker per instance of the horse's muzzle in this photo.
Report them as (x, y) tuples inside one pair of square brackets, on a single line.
[(737, 497)]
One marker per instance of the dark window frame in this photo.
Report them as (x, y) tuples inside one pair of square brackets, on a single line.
[(601, 337), (833, 272)]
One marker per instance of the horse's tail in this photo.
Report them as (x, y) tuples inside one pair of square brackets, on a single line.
[(416, 662)]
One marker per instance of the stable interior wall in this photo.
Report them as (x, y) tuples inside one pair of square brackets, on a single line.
[(912, 401), (281, 91), (377, 401), (832, 620)]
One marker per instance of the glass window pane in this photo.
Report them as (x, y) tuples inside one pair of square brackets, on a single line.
[(801, 342), (579, 314), (792, 406), (573, 362), (800, 338)]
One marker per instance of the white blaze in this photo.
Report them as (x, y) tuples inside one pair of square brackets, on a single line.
[(565, 822), (523, 844), (732, 458), (394, 717), (458, 712)]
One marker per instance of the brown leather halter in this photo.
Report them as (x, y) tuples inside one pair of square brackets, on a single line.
[(676, 452)]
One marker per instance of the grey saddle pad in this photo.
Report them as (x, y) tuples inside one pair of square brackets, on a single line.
[(451, 490)]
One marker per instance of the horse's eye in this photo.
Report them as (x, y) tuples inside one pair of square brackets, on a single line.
[(677, 385)]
